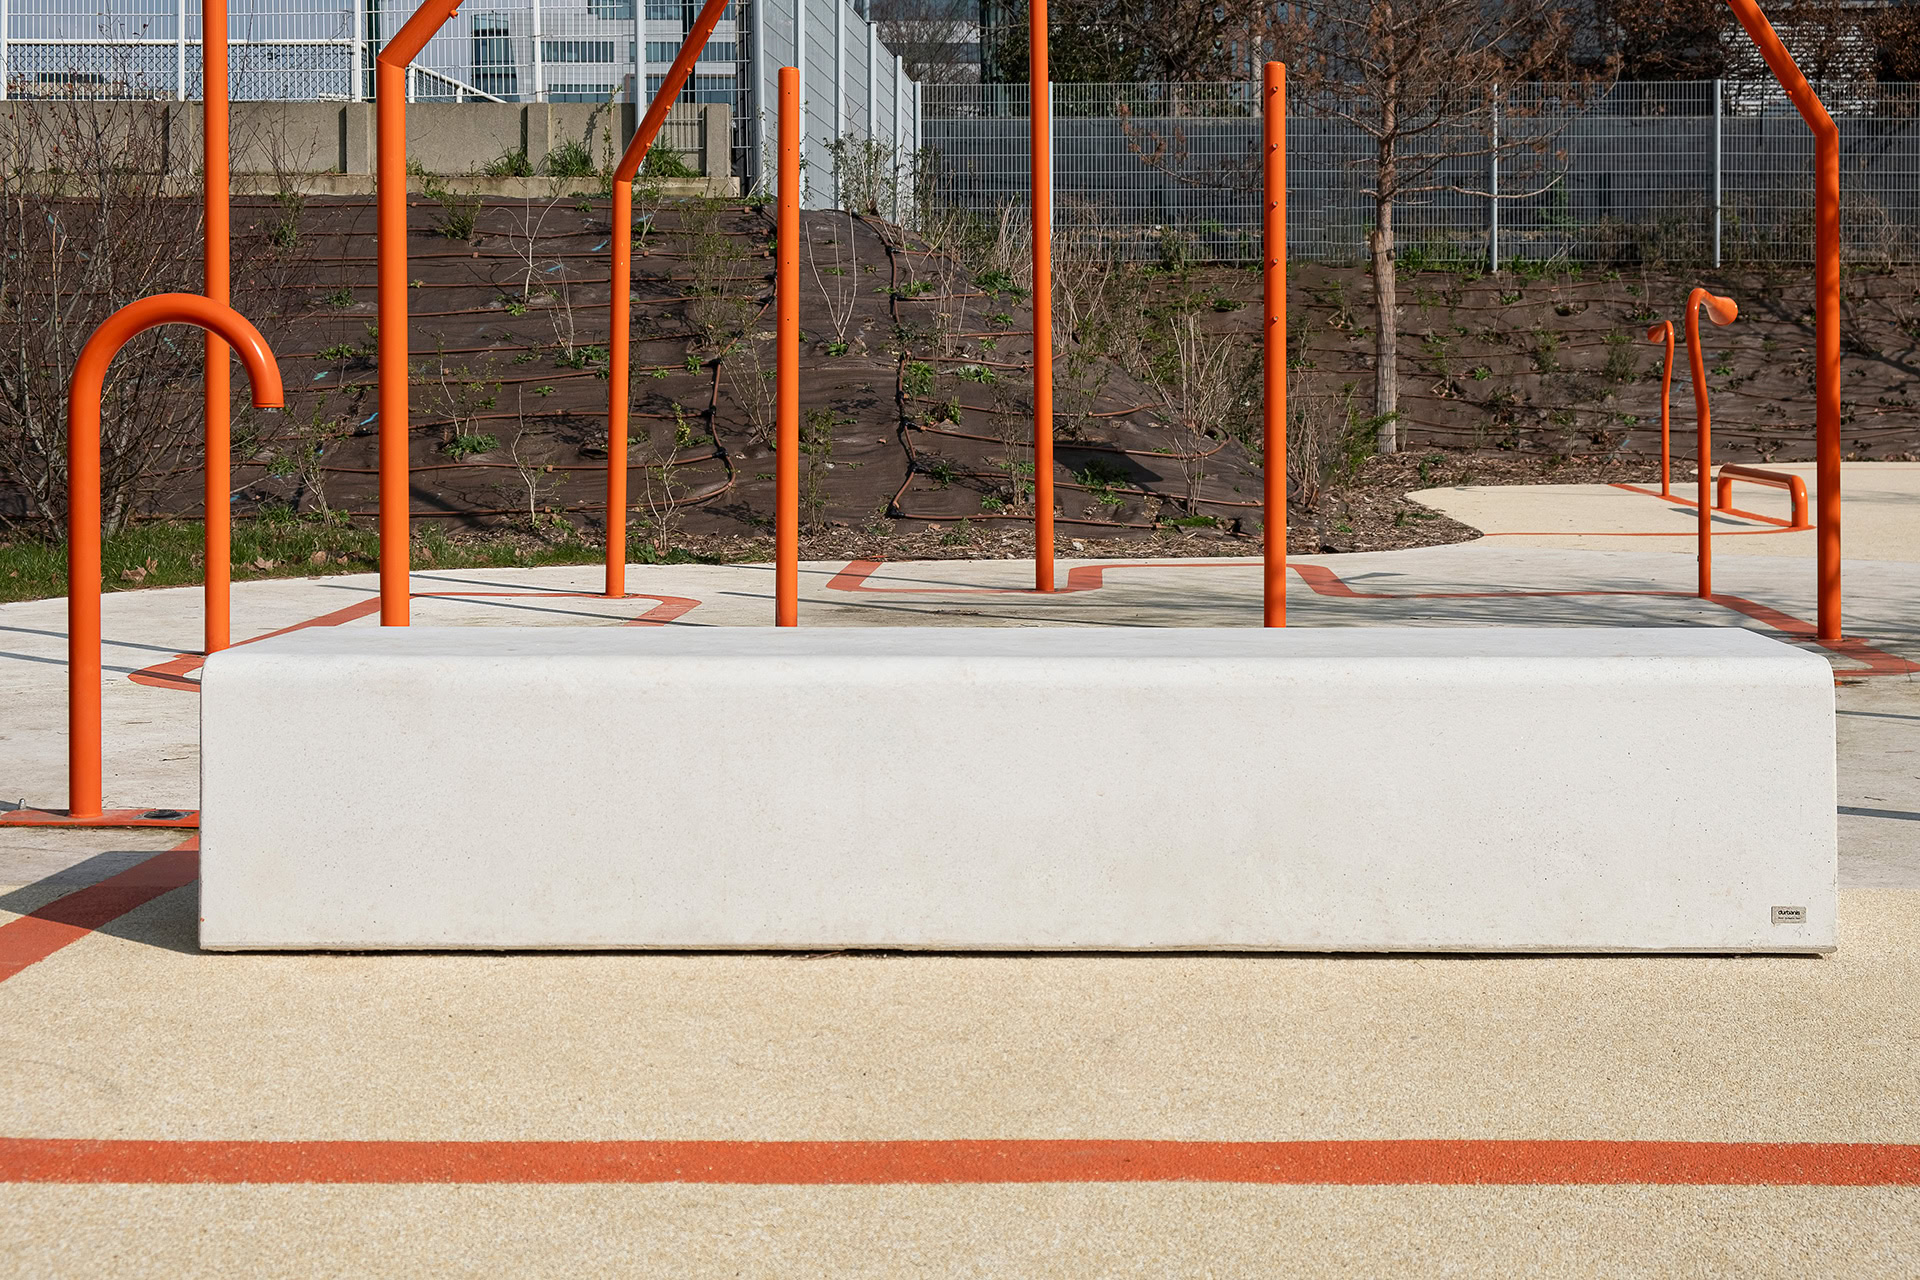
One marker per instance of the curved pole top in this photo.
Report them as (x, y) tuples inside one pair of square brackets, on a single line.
[(676, 78), (1784, 69), (1661, 331), (187, 308), (411, 38), (1721, 310)]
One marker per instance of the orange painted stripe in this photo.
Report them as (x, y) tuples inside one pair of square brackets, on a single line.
[(64, 921), (1413, 1162)]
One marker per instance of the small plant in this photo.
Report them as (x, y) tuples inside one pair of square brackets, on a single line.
[(816, 446), (943, 473), (509, 164), (458, 216), (543, 391), (572, 159), (1000, 320), (916, 380), (665, 162), (515, 307), (467, 445), (340, 299), (976, 373), (580, 357), (837, 348)]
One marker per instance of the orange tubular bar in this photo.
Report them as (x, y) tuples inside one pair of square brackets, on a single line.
[(83, 503), (619, 358), (1796, 491), (786, 459), (1826, 302), (1723, 311), (390, 195), (1040, 144), (1657, 333), (1274, 232), (217, 495)]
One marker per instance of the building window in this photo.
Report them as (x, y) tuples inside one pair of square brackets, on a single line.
[(666, 11), (580, 93), (699, 88), (611, 10), (493, 65), (668, 50), (577, 50)]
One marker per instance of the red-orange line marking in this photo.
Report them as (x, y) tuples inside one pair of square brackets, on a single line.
[(1430, 1162), (64, 921)]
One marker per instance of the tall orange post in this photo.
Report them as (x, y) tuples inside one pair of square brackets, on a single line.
[(619, 343), (1040, 177), (1723, 311), (83, 503), (1826, 304), (390, 195), (1274, 232), (216, 250), (1657, 333), (786, 320)]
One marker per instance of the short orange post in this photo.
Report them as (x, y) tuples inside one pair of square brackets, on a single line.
[(786, 462), (1040, 179), (1826, 305), (619, 341), (390, 221), (216, 246), (1274, 235), (1723, 311), (1657, 333), (83, 503)]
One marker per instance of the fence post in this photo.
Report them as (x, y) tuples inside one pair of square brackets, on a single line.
[(800, 83), (1493, 192), (539, 56), (6, 21), (180, 49), (1717, 95), (873, 78), (354, 37), (899, 134), (839, 86)]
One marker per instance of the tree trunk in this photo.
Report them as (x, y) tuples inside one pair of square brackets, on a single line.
[(1386, 332)]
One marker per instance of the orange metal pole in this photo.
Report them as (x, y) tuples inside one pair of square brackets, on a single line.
[(619, 341), (1723, 311), (217, 494), (1274, 229), (390, 195), (83, 503), (1040, 144), (1656, 333), (1826, 305), (786, 462)]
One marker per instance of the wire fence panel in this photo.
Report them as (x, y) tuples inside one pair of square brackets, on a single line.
[(1681, 173)]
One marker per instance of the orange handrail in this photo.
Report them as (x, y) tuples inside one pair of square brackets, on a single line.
[(1826, 303), (83, 502), (786, 325), (390, 196), (1040, 198), (620, 300), (217, 391), (1796, 492), (1722, 311), (1656, 333), (1274, 349)]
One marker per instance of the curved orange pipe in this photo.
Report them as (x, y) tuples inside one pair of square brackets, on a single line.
[(620, 301), (390, 198), (1723, 311), (1826, 303), (83, 502), (1654, 334)]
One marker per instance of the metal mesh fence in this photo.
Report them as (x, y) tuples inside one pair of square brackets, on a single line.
[(1682, 172)]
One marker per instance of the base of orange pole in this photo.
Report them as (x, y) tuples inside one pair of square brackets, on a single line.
[(109, 818)]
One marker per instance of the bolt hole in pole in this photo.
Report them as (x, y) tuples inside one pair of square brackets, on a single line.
[(393, 87), (1663, 332), (619, 334), (786, 462), (1722, 311), (1826, 304), (1040, 177), (1274, 352), (83, 502)]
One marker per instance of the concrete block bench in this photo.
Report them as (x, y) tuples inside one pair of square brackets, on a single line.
[(1379, 789)]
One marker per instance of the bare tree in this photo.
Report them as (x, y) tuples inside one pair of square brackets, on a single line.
[(928, 35), (1420, 80)]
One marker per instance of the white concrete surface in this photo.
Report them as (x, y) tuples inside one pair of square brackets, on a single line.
[(1510, 789)]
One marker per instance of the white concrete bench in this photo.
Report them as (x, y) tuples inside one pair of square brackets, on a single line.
[(1308, 789)]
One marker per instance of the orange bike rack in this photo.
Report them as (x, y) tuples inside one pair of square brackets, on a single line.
[(1656, 333), (1796, 493), (1040, 196), (217, 493), (390, 197), (621, 298), (1723, 311), (786, 325), (1273, 173), (83, 503), (1826, 302)]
